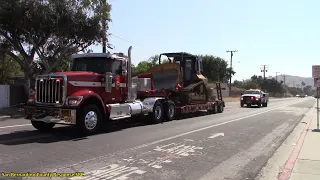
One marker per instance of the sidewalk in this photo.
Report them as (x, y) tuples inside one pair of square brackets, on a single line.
[(304, 162)]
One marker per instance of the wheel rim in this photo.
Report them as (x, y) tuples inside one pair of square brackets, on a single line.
[(171, 111), (158, 112), (91, 120)]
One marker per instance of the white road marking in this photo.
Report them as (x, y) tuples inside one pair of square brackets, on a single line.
[(179, 135), (179, 149), (18, 125), (216, 135)]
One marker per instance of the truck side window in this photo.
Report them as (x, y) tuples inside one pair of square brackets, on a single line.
[(117, 67)]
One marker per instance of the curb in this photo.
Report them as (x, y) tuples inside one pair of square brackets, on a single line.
[(286, 171)]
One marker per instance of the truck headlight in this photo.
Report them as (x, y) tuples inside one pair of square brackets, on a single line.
[(31, 99), (74, 100), (241, 98)]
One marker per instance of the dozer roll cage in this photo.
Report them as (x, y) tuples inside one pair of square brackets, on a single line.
[(183, 58)]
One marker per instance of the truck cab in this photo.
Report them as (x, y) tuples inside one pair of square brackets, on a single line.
[(254, 97)]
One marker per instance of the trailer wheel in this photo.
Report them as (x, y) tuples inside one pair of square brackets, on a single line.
[(170, 110), (220, 108), (42, 126), (89, 120), (157, 113), (214, 109)]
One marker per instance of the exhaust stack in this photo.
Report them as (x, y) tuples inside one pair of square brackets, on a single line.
[(129, 85)]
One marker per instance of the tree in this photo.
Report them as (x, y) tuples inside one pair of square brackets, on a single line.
[(307, 90), (143, 66), (246, 84), (8, 69), (52, 30), (215, 68)]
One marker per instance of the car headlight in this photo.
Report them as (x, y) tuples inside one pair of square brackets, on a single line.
[(74, 100), (241, 98)]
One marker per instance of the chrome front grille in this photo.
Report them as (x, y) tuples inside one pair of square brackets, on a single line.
[(50, 90)]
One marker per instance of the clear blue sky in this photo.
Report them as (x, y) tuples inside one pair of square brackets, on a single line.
[(282, 34)]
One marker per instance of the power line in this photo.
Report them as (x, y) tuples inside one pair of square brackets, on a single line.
[(132, 43), (231, 55)]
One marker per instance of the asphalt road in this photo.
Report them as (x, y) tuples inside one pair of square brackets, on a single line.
[(232, 145)]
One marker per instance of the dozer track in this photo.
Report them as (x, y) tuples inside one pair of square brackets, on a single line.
[(194, 93)]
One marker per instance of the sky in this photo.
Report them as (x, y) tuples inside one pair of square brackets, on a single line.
[(281, 34)]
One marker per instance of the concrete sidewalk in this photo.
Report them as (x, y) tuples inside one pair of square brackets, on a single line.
[(304, 162)]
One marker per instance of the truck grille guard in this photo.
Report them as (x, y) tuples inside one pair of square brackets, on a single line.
[(51, 89)]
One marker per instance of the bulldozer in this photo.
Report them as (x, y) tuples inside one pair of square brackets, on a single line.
[(181, 76)]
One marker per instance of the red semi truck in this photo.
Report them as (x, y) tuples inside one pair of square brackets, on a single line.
[(100, 88)]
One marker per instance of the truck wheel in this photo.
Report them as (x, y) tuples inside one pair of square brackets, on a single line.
[(259, 105), (214, 109), (265, 104), (89, 119), (241, 104), (170, 110), (220, 108), (157, 113), (42, 126)]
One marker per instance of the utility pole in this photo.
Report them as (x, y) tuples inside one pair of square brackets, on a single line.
[(231, 54), (264, 70), (277, 76), (284, 79)]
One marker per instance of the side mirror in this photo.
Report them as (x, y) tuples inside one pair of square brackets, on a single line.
[(108, 81), (264, 95)]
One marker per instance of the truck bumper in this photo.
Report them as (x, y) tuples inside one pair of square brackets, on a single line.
[(251, 102), (51, 115)]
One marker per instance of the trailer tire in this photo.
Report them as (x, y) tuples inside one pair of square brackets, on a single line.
[(170, 110), (214, 109), (220, 108), (89, 119), (42, 126), (157, 114)]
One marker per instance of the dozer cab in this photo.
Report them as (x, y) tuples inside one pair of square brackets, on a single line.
[(181, 76)]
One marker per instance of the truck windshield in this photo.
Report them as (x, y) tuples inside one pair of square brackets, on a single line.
[(251, 92), (92, 64)]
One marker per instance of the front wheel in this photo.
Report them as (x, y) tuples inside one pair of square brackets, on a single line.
[(89, 119), (259, 105), (42, 126)]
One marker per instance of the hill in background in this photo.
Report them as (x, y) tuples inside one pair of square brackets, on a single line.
[(294, 81)]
